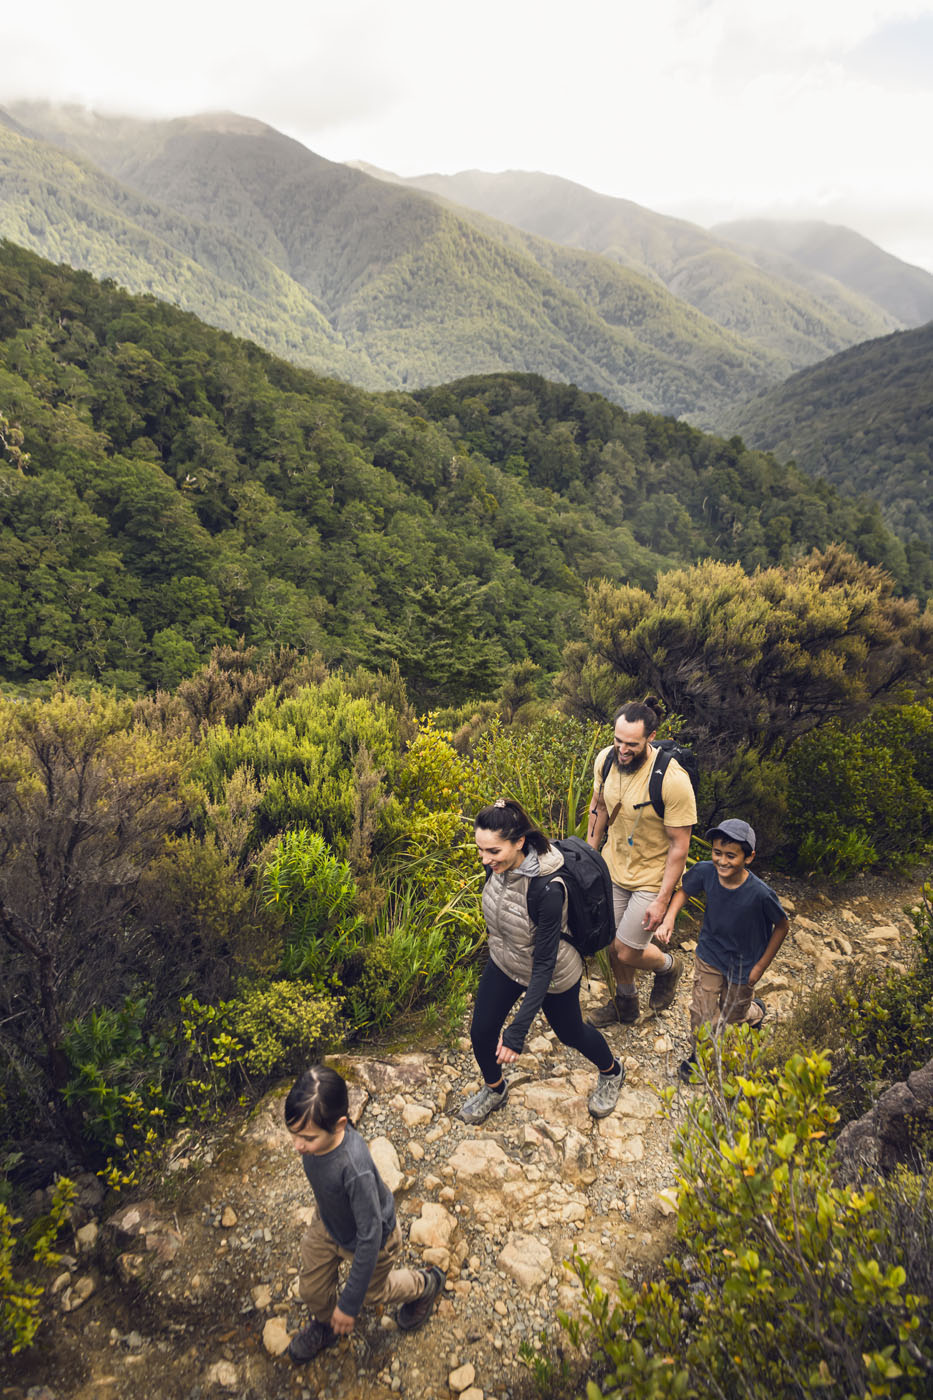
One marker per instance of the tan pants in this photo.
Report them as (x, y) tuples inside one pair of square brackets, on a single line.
[(717, 1002), (320, 1260)]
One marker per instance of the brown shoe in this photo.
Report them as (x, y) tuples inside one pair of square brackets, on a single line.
[(618, 1010), (665, 985)]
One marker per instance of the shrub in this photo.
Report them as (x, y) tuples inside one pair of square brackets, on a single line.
[(318, 895), (862, 794), (547, 767), (783, 1283), (19, 1298), (876, 1022), (283, 1026)]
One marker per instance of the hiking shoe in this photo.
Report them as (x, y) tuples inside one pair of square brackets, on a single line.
[(685, 1070), (619, 1010), (757, 1001), (305, 1346), (414, 1314), (606, 1094), (478, 1108), (665, 985)]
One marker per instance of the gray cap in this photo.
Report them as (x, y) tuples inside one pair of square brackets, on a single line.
[(735, 830)]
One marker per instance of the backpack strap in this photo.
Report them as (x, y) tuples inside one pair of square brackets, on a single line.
[(536, 887), (607, 769), (662, 760)]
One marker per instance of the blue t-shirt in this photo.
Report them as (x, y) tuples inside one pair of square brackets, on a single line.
[(737, 923)]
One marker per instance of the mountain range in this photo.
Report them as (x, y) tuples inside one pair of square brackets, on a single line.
[(863, 420), (381, 283)]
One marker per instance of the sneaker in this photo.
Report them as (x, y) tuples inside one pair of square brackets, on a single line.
[(478, 1108), (665, 985), (414, 1314), (305, 1346), (757, 1001), (606, 1094), (685, 1070), (619, 1010)]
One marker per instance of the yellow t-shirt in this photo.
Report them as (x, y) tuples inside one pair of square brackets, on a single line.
[(637, 844)]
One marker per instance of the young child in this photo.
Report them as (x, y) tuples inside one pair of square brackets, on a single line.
[(743, 927), (354, 1220)]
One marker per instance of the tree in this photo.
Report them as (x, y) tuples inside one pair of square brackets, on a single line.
[(86, 799), (751, 660)]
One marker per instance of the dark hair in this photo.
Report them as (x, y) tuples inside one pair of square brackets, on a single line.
[(320, 1093), (639, 712), (511, 820)]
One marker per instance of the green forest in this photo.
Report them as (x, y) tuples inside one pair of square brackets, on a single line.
[(268, 642), (167, 488), (862, 420)]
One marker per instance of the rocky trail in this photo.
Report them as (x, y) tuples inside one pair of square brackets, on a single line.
[(191, 1291)]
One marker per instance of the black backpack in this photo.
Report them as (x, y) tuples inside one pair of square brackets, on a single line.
[(666, 750), (590, 918)]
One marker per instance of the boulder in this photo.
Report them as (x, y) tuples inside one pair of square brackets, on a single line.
[(527, 1260)]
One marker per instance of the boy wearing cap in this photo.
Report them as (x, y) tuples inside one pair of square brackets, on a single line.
[(743, 927)]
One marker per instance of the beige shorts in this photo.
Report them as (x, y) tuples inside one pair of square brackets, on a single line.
[(629, 908)]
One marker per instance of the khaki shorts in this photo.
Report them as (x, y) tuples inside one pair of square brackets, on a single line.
[(629, 908)]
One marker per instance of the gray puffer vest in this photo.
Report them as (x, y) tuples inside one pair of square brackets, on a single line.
[(511, 932)]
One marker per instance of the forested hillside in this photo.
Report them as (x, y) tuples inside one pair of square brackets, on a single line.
[(784, 307), (351, 276), (902, 290), (167, 487), (864, 421)]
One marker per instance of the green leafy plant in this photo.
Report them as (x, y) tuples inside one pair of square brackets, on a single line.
[(783, 1283), (19, 1297), (282, 1025), (318, 893)]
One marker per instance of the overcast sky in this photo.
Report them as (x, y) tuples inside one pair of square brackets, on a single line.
[(710, 109)]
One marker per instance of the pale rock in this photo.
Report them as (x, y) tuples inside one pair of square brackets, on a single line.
[(261, 1296), (688, 945), (436, 1133), (478, 1158), (472, 1392), (540, 1045), (381, 1077), (805, 925), (398, 1102), (666, 1200), (500, 1308), (842, 944), (527, 1260), (787, 905), (551, 1101), (440, 1257), (434, 1228), (78, 1294), (416, 1114), (275, 1336), (431, 1183), (229, 1218), (462, 1377), (304, 1214), (447, 1194), (130, 1267), (416, 1150), (61, 1282), (884, 933), (662, 1045), (224, 1374), (86, 1237), (387, 1163), (848, 916), (574, 1210)]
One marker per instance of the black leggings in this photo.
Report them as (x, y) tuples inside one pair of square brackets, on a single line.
[(495, 997)]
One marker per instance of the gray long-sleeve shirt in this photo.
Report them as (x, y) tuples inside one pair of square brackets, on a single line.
[(356, 1207)]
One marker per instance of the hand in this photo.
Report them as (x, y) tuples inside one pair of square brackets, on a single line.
[(755, 975), (342, 1322), (663, 932), (504, 1055), (654, 913)]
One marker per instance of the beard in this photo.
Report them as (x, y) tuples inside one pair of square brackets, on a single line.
[(631, 765)]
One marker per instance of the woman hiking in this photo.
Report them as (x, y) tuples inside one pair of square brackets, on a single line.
[(527, 960)]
